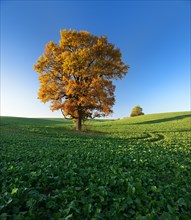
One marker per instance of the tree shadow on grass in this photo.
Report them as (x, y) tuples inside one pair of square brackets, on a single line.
[(165, 119)]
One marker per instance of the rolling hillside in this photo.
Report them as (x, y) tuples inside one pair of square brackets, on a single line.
[(133, 168)]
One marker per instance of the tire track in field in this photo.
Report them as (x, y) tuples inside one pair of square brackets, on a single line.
[(155, 137)]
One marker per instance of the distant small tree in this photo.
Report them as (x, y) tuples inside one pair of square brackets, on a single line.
[(136, 111)]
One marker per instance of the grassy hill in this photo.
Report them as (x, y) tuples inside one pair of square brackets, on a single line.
[(133, 168)]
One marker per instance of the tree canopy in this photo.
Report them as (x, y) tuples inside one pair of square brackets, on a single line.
[(76, 75), (136, 111)]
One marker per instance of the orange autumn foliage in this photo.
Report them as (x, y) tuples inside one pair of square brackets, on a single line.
[(76, 75)]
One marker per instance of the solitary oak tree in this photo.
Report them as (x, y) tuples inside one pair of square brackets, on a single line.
[(76, 75)]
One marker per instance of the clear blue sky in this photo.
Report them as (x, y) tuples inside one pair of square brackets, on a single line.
[(154, 38)]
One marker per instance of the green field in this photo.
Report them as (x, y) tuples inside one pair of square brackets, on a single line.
[(134, 168)]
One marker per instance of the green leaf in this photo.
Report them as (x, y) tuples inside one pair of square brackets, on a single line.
[(68, 217), (14, 191)]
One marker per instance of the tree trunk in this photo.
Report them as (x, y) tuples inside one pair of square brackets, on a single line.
[(79, 124)]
